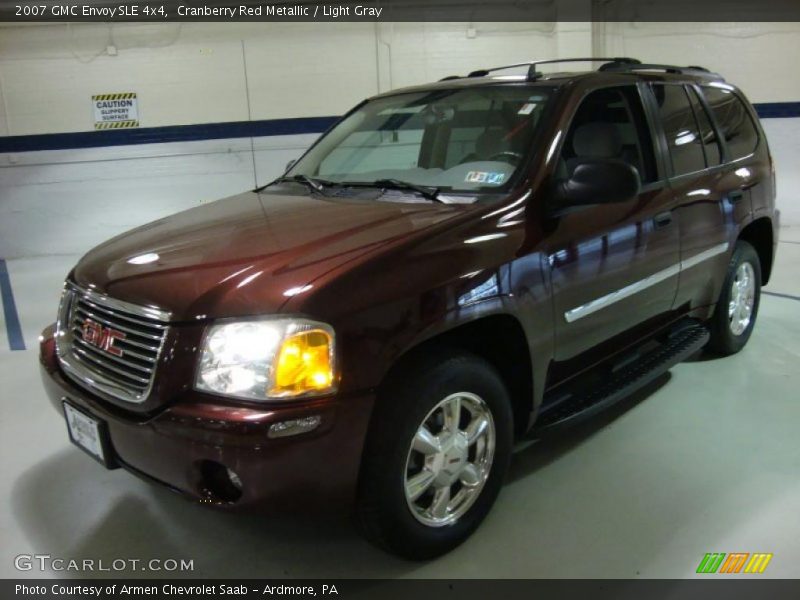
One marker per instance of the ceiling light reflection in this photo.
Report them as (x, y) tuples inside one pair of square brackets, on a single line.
[(297, 290), (485, 238), (143, 259)]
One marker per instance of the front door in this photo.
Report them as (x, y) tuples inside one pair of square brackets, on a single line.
[(613, 266)]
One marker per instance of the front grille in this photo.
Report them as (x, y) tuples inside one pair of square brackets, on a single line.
[(109, 345)]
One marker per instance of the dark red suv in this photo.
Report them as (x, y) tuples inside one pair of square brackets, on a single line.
[(451, 267)]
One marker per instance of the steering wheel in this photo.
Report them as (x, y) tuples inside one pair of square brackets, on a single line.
[(507, 155)]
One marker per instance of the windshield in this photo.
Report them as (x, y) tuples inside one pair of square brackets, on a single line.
[(462, 140)]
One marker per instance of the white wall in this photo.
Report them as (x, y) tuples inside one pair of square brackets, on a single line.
[(193, 73), (200, 72), (760, 58), (187, 73), (784, 142)]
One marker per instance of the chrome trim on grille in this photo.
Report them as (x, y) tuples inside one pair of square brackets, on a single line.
[(149, 312), (108, 322), (93, 350), (119, 315), (128, 377), (629, 290)]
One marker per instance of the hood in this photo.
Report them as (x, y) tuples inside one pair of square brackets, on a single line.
[(247, 254)]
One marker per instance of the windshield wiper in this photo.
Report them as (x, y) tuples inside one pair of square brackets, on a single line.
[(318, 185), (429, 192)]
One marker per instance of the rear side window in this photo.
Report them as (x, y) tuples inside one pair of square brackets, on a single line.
[(736, 126), (708, 136), (683, 136)]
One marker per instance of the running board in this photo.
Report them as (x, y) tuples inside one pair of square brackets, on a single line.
[(622, 380)]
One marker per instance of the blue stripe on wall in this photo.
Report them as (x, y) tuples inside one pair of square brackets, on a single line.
[(174, 133), (235, 129), (15, 339), (777, 110)]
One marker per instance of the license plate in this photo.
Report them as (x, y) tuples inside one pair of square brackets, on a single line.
[(88, 433)]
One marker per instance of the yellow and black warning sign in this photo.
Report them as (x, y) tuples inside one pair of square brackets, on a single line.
[(116, 124), (115, 111)]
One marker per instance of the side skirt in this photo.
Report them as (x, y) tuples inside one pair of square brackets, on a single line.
[(609, 383)]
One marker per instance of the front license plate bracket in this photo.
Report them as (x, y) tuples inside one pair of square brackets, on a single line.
[(90, 434)]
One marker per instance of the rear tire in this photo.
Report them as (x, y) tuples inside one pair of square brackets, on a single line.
[(419, 439), (737, 307)]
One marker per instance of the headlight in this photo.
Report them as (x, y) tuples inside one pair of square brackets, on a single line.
[(267, 359)]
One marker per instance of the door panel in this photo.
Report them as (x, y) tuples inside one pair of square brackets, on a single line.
[(708, 225), (612, 268)]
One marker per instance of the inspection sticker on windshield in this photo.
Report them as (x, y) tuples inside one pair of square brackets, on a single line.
[(527, 108), (485, 177)]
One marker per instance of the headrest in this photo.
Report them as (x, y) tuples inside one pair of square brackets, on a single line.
[(597, 140)]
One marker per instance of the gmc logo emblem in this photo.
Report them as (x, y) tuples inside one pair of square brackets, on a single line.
[(101, 337)]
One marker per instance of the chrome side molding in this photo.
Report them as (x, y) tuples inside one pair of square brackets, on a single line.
[(629, 290)]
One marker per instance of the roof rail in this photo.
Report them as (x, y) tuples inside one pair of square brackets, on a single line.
[(618, 67), (534, 74)]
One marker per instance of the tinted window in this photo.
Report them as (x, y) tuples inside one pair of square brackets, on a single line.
[(707, 133), (683, 137), (734, 121), (610, 123)]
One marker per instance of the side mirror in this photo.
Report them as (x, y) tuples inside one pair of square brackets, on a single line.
[(289, 165), (599, 181)]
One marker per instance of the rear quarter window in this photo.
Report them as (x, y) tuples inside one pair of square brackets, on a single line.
[(708, 137), (736, 126)]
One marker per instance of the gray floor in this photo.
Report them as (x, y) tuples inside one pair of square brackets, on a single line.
[(706, 461)]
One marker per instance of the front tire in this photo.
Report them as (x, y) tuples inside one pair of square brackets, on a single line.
[(436, 454), (737, 307)]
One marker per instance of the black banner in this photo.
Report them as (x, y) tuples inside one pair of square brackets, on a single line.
[(401, 10), (416, 589)]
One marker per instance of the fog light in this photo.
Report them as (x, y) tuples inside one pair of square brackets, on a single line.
[(294, 426), (219, 482)]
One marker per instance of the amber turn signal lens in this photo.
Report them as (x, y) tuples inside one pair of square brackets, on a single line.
[(304, 364)]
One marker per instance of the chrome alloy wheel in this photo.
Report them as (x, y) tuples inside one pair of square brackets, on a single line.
[(450, 459), (742, 298)]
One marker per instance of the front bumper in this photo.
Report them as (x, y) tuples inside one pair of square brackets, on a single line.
[(318, 468)]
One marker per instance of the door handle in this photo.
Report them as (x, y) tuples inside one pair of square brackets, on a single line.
[(663, 219), (735, 196)]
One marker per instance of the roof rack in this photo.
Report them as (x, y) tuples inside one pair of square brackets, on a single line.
[(533, 74), (617, 67), (617, 64)]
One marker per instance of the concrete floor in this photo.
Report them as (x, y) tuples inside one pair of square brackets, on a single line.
[(706, 460)]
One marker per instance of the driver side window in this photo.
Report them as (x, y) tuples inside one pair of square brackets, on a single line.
[(610, 124)]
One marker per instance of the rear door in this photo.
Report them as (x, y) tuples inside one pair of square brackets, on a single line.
[(711, 193), (613, 266)]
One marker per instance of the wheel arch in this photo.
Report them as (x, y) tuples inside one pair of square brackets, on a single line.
[(500, 340), (759, 234)]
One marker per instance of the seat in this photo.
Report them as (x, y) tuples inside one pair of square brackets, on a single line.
[(489, 143), (597, 140)]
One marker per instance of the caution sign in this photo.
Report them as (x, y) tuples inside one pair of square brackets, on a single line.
[(115, 111)]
